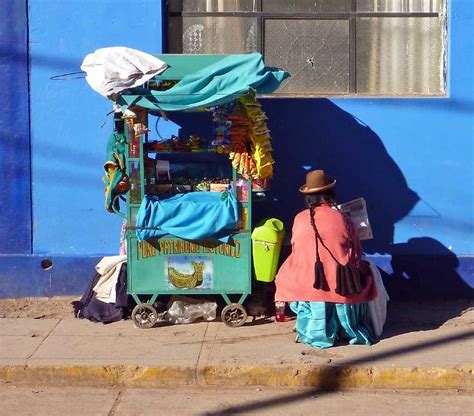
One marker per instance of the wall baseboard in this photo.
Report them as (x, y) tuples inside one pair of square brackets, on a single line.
[(24, 275), (405, 276)]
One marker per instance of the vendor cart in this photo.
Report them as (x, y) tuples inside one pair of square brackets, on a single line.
[(185, 171)]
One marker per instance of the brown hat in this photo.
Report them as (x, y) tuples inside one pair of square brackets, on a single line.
[(317, 181)]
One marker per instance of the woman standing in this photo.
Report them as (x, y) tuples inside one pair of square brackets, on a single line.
[(324, 280)]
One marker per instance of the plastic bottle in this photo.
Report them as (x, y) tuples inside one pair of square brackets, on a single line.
[(242, 190), (134, 146), (280, 312), (135, 184), (133, 139)]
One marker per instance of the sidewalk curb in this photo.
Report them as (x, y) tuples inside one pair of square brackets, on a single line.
[(332, 378)]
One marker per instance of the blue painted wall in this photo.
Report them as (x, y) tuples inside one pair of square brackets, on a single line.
[(15, 203), (68, 142), (412, 159), (69, 225)]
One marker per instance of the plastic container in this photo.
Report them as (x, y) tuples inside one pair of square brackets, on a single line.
[(242, 190), (218, 187), (267, 238)]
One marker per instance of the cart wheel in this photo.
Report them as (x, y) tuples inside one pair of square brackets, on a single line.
[(144, 316), (234, 315)]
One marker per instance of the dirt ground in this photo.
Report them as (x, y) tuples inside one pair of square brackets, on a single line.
[(38, 308), (420, 315)]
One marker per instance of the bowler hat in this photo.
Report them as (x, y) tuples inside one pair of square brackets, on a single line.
[(317, 181)]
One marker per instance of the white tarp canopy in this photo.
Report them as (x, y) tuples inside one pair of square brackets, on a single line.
[(112, 70)]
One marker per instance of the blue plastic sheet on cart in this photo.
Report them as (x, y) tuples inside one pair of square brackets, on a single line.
[(191, 216)]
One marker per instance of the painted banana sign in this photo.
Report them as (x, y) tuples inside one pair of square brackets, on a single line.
[(187, 280)]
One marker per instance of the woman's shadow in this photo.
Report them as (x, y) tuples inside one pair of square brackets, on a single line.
[(316, 133)]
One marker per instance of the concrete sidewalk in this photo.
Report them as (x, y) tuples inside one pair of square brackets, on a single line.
[(413, 354)]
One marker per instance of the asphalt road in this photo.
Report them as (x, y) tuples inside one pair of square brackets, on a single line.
[(71, 401)]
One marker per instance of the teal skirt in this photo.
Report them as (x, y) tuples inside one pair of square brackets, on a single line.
[(320, 324)]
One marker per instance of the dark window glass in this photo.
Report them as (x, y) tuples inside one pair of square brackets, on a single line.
[(217, 35), (314, 52), (401, 6), (213, 5), (400, 56), (306, 6)]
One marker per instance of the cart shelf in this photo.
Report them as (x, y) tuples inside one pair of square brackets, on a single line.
[(192, 157)]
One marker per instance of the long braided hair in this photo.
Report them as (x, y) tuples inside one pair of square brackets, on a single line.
[(313, 201), (350, 278)]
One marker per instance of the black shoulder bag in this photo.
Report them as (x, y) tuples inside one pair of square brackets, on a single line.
[(351, 277)]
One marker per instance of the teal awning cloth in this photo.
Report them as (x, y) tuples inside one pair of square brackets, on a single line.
[(218, 83), (180, 65)]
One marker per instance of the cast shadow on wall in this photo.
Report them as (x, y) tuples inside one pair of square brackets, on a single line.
[(316, 133)]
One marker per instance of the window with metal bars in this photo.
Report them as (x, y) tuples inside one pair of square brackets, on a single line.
[(330, 47)]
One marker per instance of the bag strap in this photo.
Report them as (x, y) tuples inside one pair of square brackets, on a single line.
[(349, 234)]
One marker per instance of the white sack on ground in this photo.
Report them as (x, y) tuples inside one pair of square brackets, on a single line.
[(111, 70), (378, 306)]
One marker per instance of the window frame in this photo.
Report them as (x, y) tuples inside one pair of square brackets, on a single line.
[(351, 16)]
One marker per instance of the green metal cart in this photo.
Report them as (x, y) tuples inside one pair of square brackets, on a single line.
[(173, 266), (170, 265)]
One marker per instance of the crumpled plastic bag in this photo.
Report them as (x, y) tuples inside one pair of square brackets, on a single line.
[(114, 69), (377, 308), (184, 313)]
